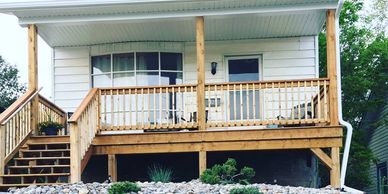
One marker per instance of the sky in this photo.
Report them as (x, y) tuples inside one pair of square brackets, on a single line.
[(14, 49)]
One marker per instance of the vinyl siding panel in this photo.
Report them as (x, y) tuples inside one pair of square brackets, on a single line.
[(71, 76), (378, 144), (282, 58)]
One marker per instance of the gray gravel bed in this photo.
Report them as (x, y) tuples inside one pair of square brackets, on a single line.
[(191, 187)]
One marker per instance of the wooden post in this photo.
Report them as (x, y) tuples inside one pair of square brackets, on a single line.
[(75, 155), (332, 66), (201, 114), (2, 152), (112, 167), (33, 74), (202, 162), (335, 171)]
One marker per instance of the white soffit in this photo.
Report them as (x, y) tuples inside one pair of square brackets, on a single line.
[(76, 22)]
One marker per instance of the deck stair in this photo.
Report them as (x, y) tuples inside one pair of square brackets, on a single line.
[(41, 161)]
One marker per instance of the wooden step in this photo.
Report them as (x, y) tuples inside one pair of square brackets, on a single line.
[(28, 184), (47, 143), (44, 158), (53, 150), (40, 166), (35, 175)]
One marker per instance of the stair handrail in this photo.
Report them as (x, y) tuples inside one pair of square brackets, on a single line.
[(15, 127), (83, 128), (17, 105)]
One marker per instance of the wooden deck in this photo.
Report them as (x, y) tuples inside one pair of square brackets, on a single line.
[(219, 140)]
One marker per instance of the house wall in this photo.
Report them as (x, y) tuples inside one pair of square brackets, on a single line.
[(378, 136), (282, 58)]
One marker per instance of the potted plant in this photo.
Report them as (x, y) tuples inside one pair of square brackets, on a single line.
[(50, 127)]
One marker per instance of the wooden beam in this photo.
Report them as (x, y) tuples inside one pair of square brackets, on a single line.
[(219, 136), (32, 57), (112, 167), (200, 42), (202, 162), (332, 66), (323, 157), (335, 171), (218, 146), (75, 159), (33, 74), (2, 152), (86, 158)]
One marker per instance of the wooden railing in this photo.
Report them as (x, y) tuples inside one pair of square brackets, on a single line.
[(83, 128), (48, 111), (148, 108), (290, 102), (18, 121), (158, 108)]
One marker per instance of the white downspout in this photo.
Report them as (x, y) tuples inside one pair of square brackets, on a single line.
[(349, 128)]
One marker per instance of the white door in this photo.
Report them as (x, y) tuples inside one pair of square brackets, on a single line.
[(244, 69)]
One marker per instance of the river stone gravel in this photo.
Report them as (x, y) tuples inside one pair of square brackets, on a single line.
[(191, 187)]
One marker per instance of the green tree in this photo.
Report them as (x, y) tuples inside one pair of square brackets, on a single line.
[(10, 88), (364, 68)]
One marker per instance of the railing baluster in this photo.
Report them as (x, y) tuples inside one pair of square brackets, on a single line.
[(325, 100), (228, 106), (235, 104), (247, 98), (118, 109), (280, 102), (130, 108), (124, 109), (292, 102), (154, 93), (319, 100), (273, 102), (173, 107), (208, 97), (142, 108), (149, 108), (299, 107), (160, 106), (222, 99), (254, 103), (286, 108), (184, 96), (111, 110), (305, 101), (136, 109), (312, 100)]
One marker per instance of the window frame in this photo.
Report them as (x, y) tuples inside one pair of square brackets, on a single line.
[(135, 71)]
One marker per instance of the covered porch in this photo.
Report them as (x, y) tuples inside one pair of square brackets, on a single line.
[(197, 116)]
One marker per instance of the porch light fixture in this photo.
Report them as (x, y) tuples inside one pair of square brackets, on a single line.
[(214, 68)]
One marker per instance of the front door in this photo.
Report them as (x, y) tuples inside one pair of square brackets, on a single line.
[(244, 69)]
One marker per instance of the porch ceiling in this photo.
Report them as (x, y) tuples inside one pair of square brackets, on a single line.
[(75, 23)]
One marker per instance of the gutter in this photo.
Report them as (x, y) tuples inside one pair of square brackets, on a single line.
[(349, 128)]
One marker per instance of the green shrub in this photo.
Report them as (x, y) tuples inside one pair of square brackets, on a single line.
[(245, 190), (160, 174), (227, 173), (123, 187)]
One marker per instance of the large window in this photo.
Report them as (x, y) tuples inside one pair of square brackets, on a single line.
[(138, 68)]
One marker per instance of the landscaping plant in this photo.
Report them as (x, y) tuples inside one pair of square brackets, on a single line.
[(227, 173), (158, 173), (245, 190), (123, 187)]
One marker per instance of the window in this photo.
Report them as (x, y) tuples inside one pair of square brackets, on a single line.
[(382, 186), (139, 68)]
